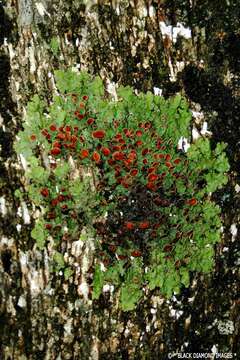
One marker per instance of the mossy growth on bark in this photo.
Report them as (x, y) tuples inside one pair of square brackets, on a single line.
[(122, 168)]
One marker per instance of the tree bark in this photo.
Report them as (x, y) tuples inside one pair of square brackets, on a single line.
[(41, 315)]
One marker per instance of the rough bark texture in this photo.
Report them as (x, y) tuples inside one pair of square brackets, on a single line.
[(43, 317)]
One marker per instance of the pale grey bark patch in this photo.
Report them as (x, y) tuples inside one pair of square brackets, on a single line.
[(25, 12)]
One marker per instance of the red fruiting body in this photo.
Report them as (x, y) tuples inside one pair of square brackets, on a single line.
[(116, 147), (61, 128), (151, 186), (139, 143), (177, 161), (68, 136), (74, 138), (192, 202), (96, 157), (127, 132), (48, 226), (61, 198), (118, 155), (136, 253), (81, 138), (64, 207), (68, 128), (82, 105), (122, 257), (44, 192), (125, 184), (90, 121), (112, 248), (57, 144), (165, 202), (119, 180), (117, 168), (168, 164), (168, 157), (44, 132), (154, 234), (53, 165), (152, 177), (177, 264), (144, 225), (51, 215), (65, 237), (74, 215), (72, 146), (76, 129), (111, 162), (33, 137), (132, 155), (84, 153), (145, 161), (98, 134), (106, 151), (145, 151), (80, 116), (134, 172), (151, 170), (106, 262), (54, 202), (129, 225), (53, 127), (74, 98), (138, 133), (85, 97), (178, 235), (127, 164), (55, 151), (167, 248), (60, 136), (116, 124), (147, 125), (158, 143)]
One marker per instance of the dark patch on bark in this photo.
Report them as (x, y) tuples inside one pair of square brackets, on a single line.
[(6, 257)]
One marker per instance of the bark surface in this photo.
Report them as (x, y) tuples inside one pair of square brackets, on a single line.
[(43, 317)]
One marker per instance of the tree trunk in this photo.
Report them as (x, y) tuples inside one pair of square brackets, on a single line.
[(125, 42)]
